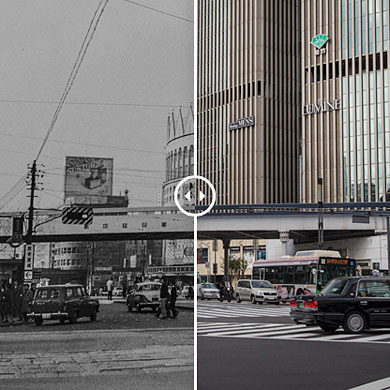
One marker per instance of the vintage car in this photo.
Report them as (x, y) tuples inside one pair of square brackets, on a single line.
[(146, 294), (62, 302)]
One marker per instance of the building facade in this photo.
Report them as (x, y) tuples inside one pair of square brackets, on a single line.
[(248, 99), (345, 100), (179, 164)]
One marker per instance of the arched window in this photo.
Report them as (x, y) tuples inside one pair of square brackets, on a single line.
[(191, 160), (175, 165), (185, 162), (180, 164)]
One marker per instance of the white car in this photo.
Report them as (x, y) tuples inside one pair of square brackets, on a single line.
[(256, 291), (117, 292), (209, 291)]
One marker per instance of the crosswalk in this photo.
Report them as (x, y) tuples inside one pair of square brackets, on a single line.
[(215, 310), (287, 332)]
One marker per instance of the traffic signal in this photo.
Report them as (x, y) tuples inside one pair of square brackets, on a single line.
[(215, 268), (17, 229)]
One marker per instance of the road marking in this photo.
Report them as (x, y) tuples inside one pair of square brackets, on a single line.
[(382, 384), (287, 332), (209, 311)]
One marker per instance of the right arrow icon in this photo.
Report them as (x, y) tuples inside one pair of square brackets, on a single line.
[(201, 196)]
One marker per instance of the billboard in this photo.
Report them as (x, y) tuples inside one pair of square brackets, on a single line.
[(88, 180)]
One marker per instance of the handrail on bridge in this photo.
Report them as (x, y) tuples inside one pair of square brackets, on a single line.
[(367, 208)]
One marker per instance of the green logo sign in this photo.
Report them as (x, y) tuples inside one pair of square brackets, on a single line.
[(319, 40)]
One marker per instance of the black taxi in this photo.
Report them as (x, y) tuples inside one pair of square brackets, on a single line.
[(355, 303), (62, 302)]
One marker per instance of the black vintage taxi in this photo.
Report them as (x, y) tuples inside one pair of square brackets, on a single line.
[(355, 303), (62, 302)]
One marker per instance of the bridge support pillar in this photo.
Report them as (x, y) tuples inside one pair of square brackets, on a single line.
[(284, 237), (226, 246)]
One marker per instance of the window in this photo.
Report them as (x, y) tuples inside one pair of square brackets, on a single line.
[(144, 224), (124, 225), (55, 293), (105, 225), (163, 224), (374, 289)]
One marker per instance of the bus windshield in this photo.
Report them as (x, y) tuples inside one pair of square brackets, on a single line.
[(328, 272)]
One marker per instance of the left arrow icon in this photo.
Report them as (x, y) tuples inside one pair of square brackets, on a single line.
[(188, 195)]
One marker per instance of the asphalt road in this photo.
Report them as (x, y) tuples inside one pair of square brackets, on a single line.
[(111, 316), (245, 346), (121, 350)]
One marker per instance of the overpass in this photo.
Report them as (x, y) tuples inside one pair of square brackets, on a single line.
[(300, 221), (109, 224)]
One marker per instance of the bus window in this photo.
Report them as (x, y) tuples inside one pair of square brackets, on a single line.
[(256, 273), (270, 275), (279, 274)]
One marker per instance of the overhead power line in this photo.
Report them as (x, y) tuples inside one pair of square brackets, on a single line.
[(80, 143), (93, 103), (160, 11), (76, 67)]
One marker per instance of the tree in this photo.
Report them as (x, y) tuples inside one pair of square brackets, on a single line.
[(237, 267)]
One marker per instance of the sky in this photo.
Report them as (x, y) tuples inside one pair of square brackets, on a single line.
[(138, 58)]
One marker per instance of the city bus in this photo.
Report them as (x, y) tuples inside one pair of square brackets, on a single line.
[(305, 273)]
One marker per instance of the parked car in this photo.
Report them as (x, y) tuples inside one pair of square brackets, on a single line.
[(146, 294), (355, 303), (186, 292), (209, 291), (117, 292), (62, 302), (256, 291)]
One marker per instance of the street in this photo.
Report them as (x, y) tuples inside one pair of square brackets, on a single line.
[(120, 350), (250, 346)]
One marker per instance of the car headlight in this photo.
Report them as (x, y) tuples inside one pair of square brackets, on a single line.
[(259, 294)]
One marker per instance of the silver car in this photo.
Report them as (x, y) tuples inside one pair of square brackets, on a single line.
[(209, 291), (256, 291)]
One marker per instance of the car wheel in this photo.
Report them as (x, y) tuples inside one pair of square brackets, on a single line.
[(139, 308), (73, 317), (201, 297), (62, 321), (38, 321), (354, 322), (328, 328), (238, 300), (277, 303), (93, 316), (253, 299), (129, 308), (261, 302)]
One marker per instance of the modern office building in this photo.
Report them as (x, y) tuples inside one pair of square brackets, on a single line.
[(345, 100), (249, 99)]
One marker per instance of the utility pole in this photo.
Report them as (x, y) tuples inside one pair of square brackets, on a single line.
[(33, 173)]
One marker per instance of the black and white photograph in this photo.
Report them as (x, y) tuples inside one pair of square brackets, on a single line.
[(96, 260)]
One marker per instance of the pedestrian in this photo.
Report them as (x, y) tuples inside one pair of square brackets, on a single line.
[(191, 292), (8, 303), (164, 295), (109, 288), (172, 302), (26, 301), (17, 300), (124, 291), (3, 317)]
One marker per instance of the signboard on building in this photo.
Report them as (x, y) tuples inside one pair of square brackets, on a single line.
[(319, 42), (320, 107), (88, 180), (243, 122)]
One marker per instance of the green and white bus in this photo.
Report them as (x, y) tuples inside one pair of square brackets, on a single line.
[(305, 273)]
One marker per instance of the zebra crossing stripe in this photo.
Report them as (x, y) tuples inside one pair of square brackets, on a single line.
[(234, 329), (259, 332)]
